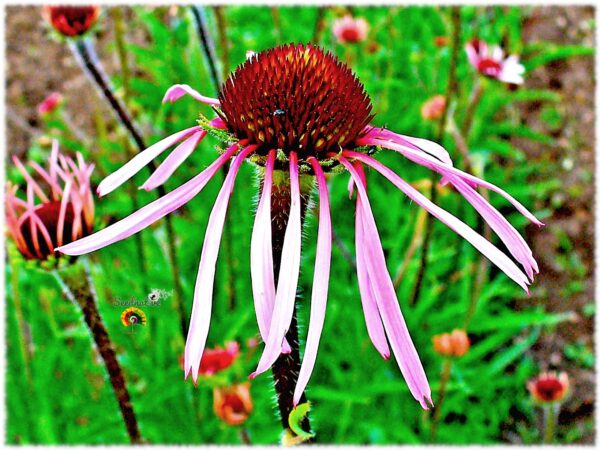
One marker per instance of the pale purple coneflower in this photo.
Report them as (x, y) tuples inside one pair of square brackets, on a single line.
[(350, 30), (57, 209), (297, 112), (491, 62)]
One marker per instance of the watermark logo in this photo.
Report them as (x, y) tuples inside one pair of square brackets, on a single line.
[(153, 299), (132, 318)]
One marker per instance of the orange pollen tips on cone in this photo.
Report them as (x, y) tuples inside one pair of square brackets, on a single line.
[(295, 98)]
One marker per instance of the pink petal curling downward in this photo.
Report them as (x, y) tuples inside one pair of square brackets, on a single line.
[(261, 257), (479, 242), (375, 328), (177, 91), (506, 232), (318, 302), (288, 276), (443, 169), (139, 161), (203, 292), (387, 302), (173, 161), (149, 213)]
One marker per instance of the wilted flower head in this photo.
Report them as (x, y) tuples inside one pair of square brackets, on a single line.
[(433, 108), (233, 404), (50, 103), (297, 111), (57, 209), (493, 64), (348, 30), (451, 344), (547, 387), (71, 20)]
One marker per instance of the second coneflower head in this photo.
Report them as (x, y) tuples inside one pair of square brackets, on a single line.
[(58, 207), (71, 20), (490, 62)]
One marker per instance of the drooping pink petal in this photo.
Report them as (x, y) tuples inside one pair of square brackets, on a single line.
[(30, 181), (424, 145), (387, 302), (261, 257), (56, 189), (149, 213), (61, 215), (502, 227), (177, 91), (461, 228), (369, 304), (318, 302), (139, 161), (203, 292), (288, 276), (443, 169), (217, 122), (173, 161)]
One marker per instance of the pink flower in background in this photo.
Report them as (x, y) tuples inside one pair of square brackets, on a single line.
[(296, 111), (348, 30), (492, 63), (57, 210), (50, 103), (548, 387), (433, 108), (218, 359), (233, 404)]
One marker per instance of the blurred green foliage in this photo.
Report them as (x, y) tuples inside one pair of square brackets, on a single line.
[(57, 390)]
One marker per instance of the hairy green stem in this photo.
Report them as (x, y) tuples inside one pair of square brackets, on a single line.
[(287, 367), (549, 423), (77, 286)]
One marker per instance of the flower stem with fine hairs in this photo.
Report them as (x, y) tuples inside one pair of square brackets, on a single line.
[(77, 286), (85, 54), (450, 90), (287, 366)]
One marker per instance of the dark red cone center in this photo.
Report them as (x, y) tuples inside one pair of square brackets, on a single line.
[(295, 98)]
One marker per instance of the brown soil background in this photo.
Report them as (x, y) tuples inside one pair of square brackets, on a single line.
[(29, 51)]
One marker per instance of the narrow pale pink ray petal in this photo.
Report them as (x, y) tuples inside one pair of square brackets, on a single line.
[(261, 257), (56, 190), (443, 169), (177, 91), (461, 228), (318, 302), (30, 181), (288, 276), (139, 161), (53, 159), (61, 215), (387, 302), (203, 292), (424, 145), (12, 220), (173, 161), (149, 213), (502, 227), (369, 304)]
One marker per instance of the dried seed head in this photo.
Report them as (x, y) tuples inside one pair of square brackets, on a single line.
[(295, 98)]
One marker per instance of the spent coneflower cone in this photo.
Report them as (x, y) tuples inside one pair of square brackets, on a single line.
[(297, 112), (71, 21)]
